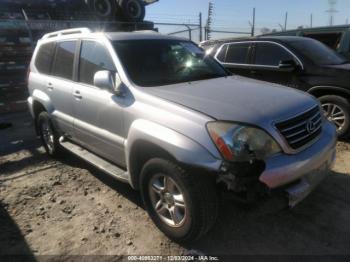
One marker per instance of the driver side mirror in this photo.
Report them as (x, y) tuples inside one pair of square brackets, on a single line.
[(105, 79), (287, 65)]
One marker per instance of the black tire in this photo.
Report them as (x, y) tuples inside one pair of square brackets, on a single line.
[(341, 103), (133, 10), (199, 194), (103, 9), (52, 148)]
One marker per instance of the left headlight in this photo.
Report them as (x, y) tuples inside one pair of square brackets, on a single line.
[(239, 143)]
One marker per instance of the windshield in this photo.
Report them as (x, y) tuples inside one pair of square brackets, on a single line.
[(164, 62), (319, 53)]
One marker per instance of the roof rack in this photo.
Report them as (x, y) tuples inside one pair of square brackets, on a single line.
[(82, 30)]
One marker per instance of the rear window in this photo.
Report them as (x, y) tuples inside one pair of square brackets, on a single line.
[(64, 59), (44, 58), (238, 53)]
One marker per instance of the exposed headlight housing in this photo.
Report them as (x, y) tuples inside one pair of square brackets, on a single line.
[(241, 143)]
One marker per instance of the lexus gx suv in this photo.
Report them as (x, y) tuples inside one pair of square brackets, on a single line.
[(157, 113)]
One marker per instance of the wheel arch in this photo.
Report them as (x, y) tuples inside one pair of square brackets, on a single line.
[(319, 91), (147, 140)]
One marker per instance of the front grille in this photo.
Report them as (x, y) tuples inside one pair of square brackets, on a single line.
[(301, 130)]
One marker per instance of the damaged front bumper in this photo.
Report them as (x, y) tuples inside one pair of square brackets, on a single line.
[(295, 176)]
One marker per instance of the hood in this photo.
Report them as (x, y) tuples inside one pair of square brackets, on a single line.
[(237, 99)]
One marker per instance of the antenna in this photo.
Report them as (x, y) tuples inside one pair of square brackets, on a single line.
[(332, 11)]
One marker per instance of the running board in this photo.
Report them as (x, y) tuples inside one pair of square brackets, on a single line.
[(95, 160)]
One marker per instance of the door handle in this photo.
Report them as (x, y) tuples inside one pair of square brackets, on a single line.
[(77, 95), (49, 86)]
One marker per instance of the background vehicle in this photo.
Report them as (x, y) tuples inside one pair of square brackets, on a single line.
[(155, 112), (335, 37), (127, 10), (297, 62)]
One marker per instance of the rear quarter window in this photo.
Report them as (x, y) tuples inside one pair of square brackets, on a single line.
[(44, 58)]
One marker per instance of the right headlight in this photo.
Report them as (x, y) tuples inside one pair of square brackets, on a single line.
[(237, 142)]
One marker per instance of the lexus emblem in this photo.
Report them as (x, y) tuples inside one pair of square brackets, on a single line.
[(310, 127)]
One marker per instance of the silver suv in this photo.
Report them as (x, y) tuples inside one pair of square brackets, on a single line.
[(156, 112)]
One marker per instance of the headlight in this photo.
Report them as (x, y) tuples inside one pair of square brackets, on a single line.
[(240, 143)]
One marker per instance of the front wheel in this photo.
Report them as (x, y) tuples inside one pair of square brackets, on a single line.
[(183, 206), (337, 110)]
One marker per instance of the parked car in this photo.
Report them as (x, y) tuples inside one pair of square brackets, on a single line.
[(297, 62), (335, 37), (155, 112)]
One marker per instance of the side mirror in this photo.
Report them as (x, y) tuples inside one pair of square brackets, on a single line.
[(288, 65), (106, 80)]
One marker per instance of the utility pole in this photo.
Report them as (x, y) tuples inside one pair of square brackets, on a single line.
[(347, 21), (311, 20), (253, 25), (332, 11), (285, 21), (209, 21), (200, 28)]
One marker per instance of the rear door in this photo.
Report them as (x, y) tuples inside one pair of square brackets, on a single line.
[(266, 59), (236, 57), (59, 85), (98, 123)]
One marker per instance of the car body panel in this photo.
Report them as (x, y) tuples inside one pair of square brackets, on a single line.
[(174, 117)]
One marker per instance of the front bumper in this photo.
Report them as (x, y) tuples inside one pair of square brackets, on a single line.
[(302, 171)]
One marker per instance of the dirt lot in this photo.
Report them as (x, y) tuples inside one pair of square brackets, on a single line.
[(67, 207)]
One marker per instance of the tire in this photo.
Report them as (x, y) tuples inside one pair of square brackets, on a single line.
[(48, 135), (133, 10), (103, 9), (195, 215), (341, 113)]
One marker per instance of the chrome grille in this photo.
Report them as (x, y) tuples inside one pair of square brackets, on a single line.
[(303, 129)]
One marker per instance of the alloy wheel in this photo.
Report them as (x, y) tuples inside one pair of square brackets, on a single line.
[(48, 135), (335, 114), (167, 200)]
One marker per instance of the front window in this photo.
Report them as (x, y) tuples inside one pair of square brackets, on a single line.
[(270, 54), (317, 52), (164, 62)]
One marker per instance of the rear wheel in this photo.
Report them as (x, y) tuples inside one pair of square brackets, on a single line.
[(183, 206), (48, 135), (337, 110)]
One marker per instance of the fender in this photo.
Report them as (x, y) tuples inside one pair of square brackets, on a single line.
[(325, 88), (182, 148), (44, 99)]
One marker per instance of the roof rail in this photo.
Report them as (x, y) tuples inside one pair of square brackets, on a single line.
[(67, 32)]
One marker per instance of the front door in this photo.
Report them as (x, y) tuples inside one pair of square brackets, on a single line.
[(98, 123), (267, 57)]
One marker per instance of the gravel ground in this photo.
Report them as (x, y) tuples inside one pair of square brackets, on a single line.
[(66, 207)]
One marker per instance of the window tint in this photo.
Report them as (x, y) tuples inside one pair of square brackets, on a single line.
[(270, 54), (44, 58), (317, 52), (64, 59), (238, 53), (221, 56), (93, 57), (332, 40)]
